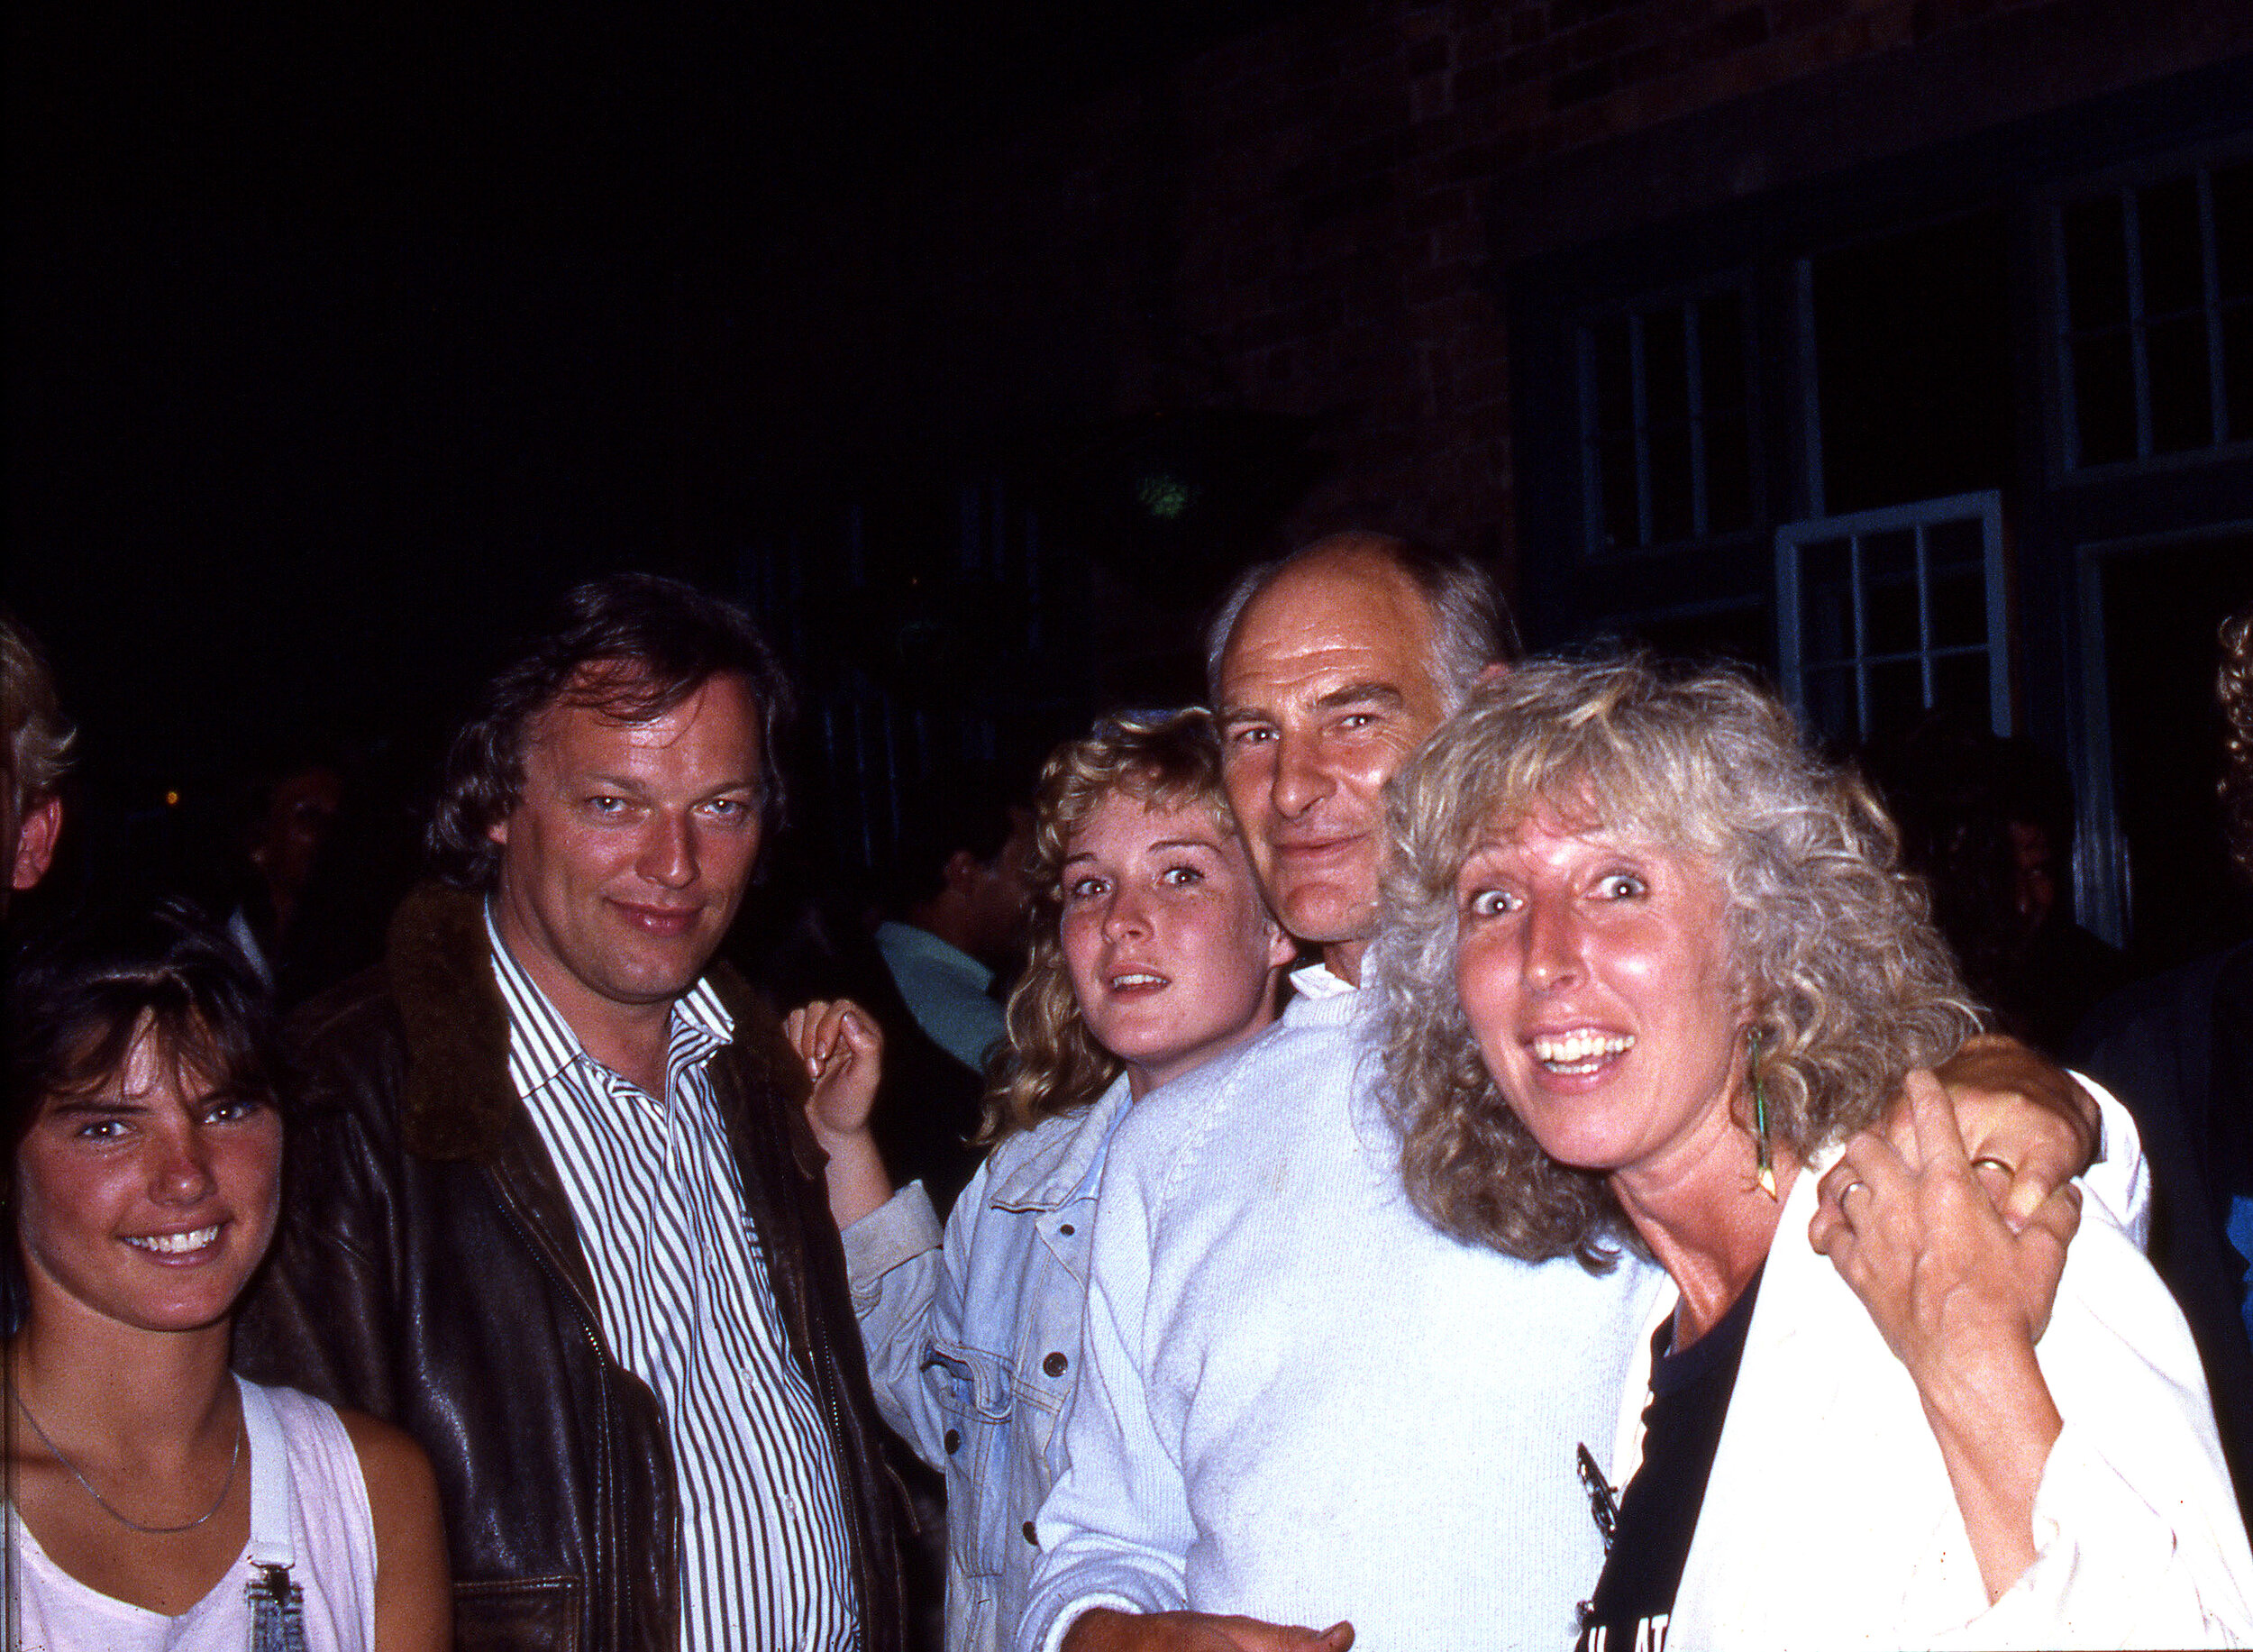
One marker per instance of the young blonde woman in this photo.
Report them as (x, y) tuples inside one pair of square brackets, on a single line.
[(1152, 954)]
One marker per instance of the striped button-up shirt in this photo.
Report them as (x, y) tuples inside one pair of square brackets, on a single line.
[(686, 1306)]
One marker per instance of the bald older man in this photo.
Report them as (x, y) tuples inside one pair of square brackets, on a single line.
[(1299, 1403)]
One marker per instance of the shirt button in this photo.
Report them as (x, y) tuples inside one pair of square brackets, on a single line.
[(952, 1442), (790, 1505), (1055, 1364), (1029, 1538), (1065, 1228)]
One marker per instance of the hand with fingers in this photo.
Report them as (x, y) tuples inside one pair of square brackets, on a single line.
[(843, 1053), (2018, 1113), (1104, 1631), (1961, 1299)]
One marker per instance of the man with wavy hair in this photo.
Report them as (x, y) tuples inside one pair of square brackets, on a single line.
[(555, 1209)]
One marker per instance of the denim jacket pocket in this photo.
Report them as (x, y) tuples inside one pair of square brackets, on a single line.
[(975, 1400)]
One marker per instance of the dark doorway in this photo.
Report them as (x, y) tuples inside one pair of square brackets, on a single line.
[(2161, 610)]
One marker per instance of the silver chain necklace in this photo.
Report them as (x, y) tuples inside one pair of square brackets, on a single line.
[(110, 1508)]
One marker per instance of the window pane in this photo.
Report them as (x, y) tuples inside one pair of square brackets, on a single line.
[(1959, 683), (2104, 398), (1665, 368), (1671, 502), (1616, 461), (1830, 705), (1721, 352), (1889, 599), (1826, 602), (1896, 697), (2233, 229), (2180, 416), (1948, 545), (2096, 263), (2173, 266), (1615, 389), (1959, 605), (1727, 474), (2236, 368)]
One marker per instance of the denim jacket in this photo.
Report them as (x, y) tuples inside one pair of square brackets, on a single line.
[(973, 1345)]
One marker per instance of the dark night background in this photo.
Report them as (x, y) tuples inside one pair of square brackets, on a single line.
[(339, 341), (977, 343)]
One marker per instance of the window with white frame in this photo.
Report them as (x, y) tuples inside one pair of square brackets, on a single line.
[(1886, 615), (1667, 423), (2155, 340)]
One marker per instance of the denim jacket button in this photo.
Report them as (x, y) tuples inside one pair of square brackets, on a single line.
[(1029, 1535), (1055, 1364), (952, 1442)]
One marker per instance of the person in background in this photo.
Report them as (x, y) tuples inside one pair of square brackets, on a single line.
[(37, 750), (1152, 954), (2180, 1050), (152, 1500), (821, 943), (1649, 967), (289, 818), (956, 896), (957, 909), (559, 1213), (1988, 822)]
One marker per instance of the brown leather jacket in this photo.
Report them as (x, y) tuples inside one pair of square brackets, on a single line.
[(428, 1270)]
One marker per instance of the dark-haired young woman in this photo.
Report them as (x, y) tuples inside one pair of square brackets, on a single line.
[(155, 1501)]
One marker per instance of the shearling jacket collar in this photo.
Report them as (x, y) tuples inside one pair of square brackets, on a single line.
[(457, 1103)]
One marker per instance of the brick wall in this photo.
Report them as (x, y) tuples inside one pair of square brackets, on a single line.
[(1302, 220)]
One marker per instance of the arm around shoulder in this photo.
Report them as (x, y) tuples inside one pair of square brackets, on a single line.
[(413, 1589)]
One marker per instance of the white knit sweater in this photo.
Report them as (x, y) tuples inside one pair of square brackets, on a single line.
[(1299, 1401)]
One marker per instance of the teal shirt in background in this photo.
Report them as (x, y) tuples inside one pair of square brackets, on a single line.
[(946, 990)]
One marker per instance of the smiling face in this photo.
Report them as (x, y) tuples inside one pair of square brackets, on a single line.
[(1326, 688), (629, 850), (147, 1201), (1172, 958), (1594, 971)]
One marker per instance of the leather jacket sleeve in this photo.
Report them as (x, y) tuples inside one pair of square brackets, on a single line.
[(315, 1316), (427, 1270)]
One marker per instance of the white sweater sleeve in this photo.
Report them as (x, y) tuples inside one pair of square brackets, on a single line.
[(1116, 1529)]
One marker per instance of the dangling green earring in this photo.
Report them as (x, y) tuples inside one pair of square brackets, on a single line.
[(1760, 1122)]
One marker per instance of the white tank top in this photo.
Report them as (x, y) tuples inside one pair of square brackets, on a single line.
[(308, 1506)]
